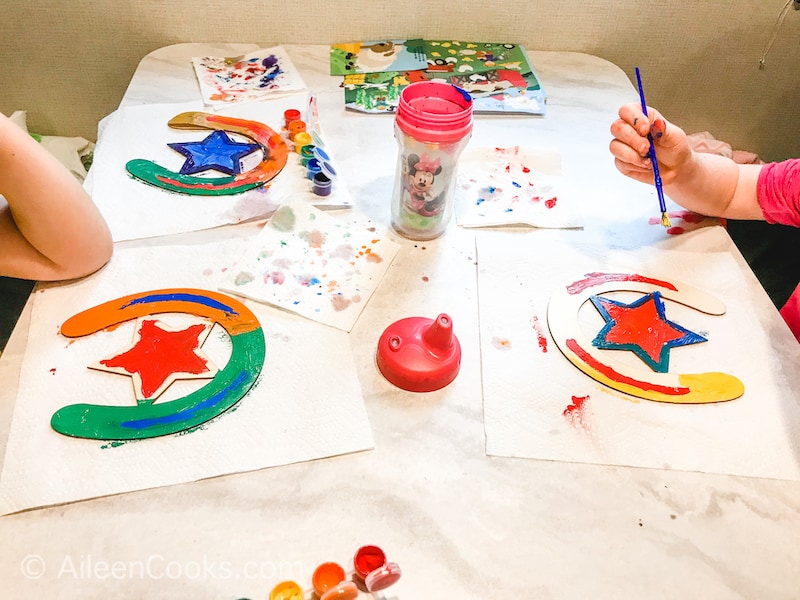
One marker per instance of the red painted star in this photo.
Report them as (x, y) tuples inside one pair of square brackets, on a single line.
[(160, 355), (643, 328)]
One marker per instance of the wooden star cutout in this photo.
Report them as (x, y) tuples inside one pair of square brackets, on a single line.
[(643, 328), (159, 355), (217, 151)]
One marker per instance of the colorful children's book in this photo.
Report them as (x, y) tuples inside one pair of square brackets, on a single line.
[(378, 56), (499, 77)]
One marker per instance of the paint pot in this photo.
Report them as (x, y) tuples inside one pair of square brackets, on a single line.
[(329, 582), (322, 184), (302, 138), (372, 568), (306, 154), (289, 115), (419, 354), (295, 127), (312, 168), (433, 124), (287, 590)]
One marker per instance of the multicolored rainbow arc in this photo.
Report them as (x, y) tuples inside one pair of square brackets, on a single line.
[(228, 386), (274, 147), (684, 388)]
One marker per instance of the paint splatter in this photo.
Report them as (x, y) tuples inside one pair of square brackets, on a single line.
[(344, 251), (501, 343), (283, 219), (576, 415), (551, 202), (276, 277), (425, 278), (53, 371), (540, 336), (243, 278), (115, 444), (340, 303), (314, 238)]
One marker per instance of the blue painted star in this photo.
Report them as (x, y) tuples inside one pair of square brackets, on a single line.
[(643, 328), (217, 151)]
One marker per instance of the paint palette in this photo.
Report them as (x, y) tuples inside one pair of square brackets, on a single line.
[(254, 76), (310, 263), (511, 186)]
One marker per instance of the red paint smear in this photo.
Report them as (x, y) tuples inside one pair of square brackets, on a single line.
[(540, 334), (675, 231), (574, 413), (619, 377), (159, 353), (525, 169), (53, 371), (551, 203), (595, 278)]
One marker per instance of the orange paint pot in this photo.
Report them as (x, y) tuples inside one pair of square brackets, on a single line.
[(295, 127), (329, 583)]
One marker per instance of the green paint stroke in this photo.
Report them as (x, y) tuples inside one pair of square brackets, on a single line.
[(146, 421)]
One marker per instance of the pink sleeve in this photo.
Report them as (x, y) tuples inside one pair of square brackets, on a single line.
[(779, 192)]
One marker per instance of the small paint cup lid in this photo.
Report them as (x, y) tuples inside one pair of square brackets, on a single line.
[(286, 590), (327, 168), (419, 354), (346, 590), (382, 578), (321, 154)]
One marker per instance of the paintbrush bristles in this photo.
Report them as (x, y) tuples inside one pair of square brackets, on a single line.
[(665, 220)]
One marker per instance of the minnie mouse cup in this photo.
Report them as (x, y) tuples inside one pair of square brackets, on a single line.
[(432, 126)]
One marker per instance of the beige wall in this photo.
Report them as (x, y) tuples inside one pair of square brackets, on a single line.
[(68, 62)]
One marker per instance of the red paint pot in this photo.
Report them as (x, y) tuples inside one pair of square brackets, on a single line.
[(371, 567), (290, 115)]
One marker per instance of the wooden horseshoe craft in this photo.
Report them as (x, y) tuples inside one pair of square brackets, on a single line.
[(685, 388), (147, 420), (274, 147)]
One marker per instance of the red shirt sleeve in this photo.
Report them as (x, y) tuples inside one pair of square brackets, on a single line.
[(778, 192)]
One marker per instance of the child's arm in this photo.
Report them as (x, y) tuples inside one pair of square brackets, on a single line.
[(705, 183), (49, 227)]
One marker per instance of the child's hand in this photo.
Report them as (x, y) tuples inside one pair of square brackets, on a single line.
[(631, 148)]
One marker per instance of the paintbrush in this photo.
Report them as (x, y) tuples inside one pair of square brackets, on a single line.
[(656, 175)]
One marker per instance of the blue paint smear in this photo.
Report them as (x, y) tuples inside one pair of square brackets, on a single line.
[(196, 298), (516, 184), (188, 413)]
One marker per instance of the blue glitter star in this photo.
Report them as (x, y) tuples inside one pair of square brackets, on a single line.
[(217, 151), (643, 328)]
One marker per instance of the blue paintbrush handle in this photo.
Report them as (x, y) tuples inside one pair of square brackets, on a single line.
[(656, 174)]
